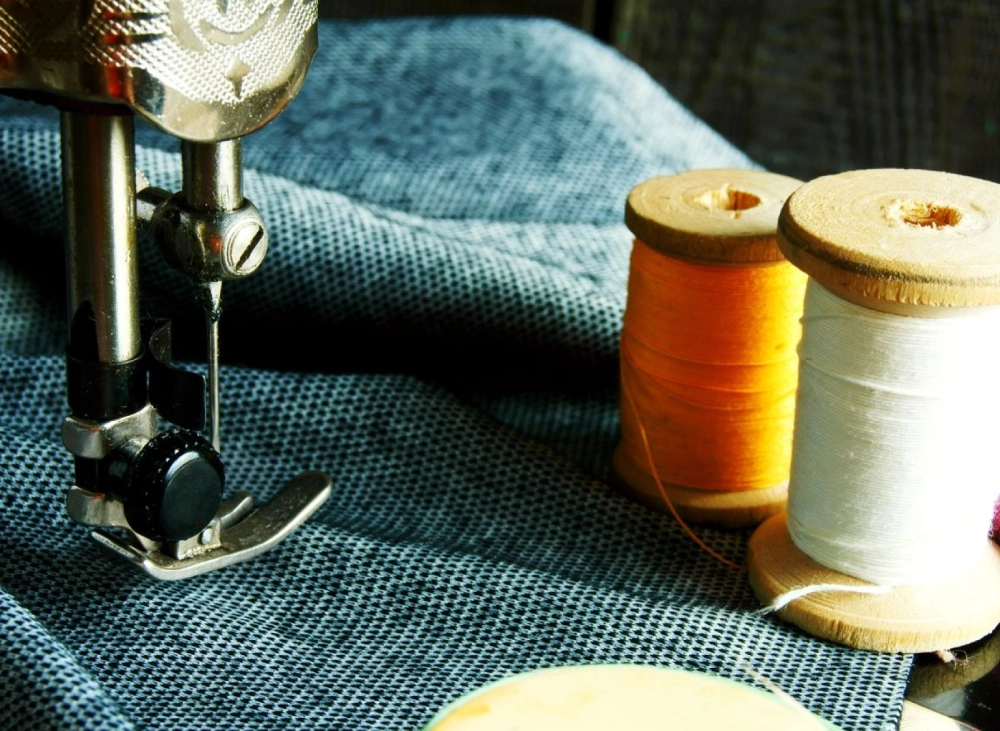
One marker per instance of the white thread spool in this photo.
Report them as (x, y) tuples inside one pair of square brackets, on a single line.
[(914, 258)]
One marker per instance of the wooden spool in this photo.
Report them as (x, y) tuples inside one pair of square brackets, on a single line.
[(724, 218), (907, 242)]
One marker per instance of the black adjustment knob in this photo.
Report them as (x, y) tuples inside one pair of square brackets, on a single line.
[(173, 487)]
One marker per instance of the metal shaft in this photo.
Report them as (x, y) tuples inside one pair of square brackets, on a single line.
[(213, 181), (213, 312), (213, 174), (101, 259)]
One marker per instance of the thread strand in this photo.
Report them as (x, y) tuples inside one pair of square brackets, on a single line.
[(783, 600), (666, 498)]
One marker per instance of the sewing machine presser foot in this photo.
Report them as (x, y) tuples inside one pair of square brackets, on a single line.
[(237, 533)]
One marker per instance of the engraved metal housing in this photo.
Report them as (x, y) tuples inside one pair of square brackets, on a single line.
[(203, 70)]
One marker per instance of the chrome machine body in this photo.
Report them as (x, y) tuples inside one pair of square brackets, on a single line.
[(207, 72)]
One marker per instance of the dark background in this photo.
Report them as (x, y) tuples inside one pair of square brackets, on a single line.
[(805, 87)]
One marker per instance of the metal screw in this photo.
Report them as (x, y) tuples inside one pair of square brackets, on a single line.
[(247, 246), (206, 536)]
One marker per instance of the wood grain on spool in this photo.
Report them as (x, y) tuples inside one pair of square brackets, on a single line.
[(902, 241), (714, 216)]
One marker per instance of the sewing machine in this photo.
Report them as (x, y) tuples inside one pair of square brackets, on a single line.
[(207, 72)]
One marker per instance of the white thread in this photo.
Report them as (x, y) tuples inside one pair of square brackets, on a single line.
[(783, 600), (896, 462)]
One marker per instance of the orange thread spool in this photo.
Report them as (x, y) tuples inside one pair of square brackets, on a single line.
[(708, 347)]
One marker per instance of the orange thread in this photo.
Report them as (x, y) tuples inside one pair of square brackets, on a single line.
[(666, 498), (709, 364)]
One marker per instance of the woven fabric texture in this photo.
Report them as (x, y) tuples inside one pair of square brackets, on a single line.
[(436, 326)]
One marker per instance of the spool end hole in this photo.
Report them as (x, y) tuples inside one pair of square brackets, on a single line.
[(727, 198), (924, 214)]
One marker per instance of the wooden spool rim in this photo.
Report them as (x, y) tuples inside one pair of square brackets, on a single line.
[(914, 618), (885, 237), (719, 508), (724, 215)]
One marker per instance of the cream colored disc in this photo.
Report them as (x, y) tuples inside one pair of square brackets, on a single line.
[(723, 216), (722, 508), (915, 618), (633, 697)]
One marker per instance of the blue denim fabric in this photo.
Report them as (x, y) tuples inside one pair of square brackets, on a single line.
[(436, 326)]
